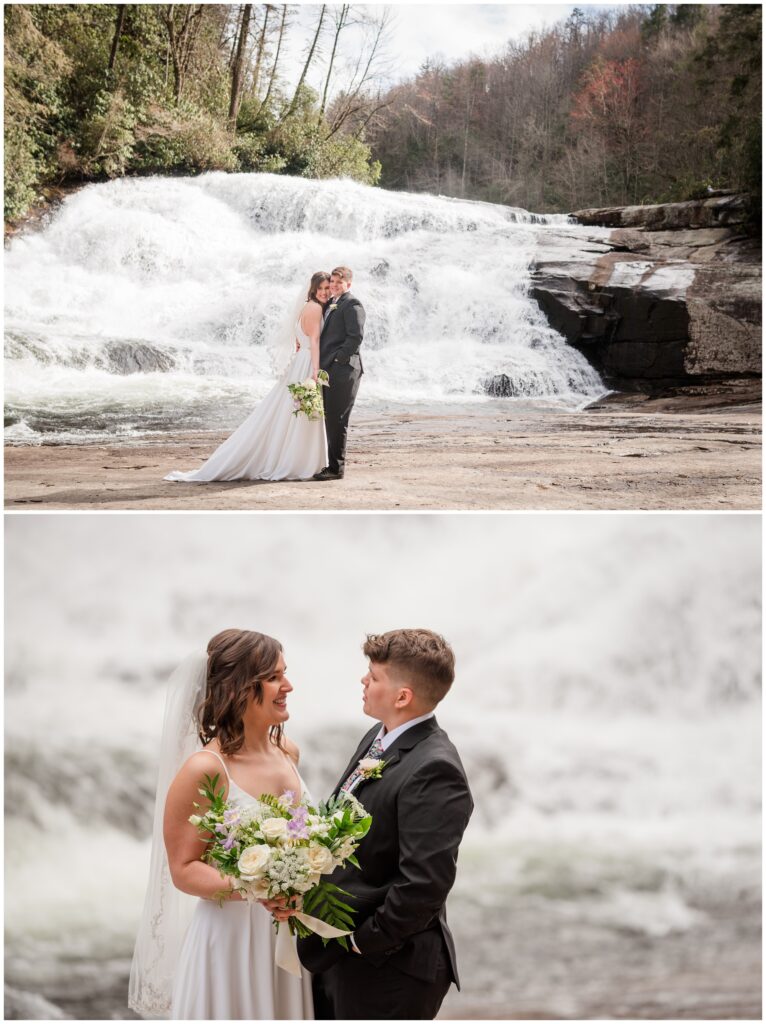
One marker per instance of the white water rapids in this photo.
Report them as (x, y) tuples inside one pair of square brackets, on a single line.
[(152, 304)]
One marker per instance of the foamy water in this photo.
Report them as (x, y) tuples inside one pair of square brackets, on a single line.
[(154, 303)]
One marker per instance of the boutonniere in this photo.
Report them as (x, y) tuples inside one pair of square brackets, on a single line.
[(371, 767), (333, 305)]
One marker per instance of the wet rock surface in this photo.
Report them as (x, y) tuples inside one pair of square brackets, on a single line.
[(670, 298)]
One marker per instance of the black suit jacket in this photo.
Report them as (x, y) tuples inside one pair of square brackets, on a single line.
[(342, 334), (420, 807)]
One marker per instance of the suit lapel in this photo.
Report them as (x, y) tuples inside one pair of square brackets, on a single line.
[(361, 750), (401, 745), (410, 738), (326, 320)]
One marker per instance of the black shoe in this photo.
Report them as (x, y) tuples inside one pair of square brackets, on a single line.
[(327, 474)]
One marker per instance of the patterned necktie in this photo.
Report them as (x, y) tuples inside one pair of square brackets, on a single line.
[(376, 750)]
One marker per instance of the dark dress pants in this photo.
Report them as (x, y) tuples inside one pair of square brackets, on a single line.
[(354, 989), (339, 400)]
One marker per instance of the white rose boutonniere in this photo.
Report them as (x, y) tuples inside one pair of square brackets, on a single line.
[(371, 767)]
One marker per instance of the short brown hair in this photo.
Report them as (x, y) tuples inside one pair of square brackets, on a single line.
[(426, 659), (344, 273), (238, 661)]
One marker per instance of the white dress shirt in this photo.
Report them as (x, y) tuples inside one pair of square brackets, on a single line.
[(387, 738)]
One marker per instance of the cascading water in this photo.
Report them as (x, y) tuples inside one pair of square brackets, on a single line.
[(152, 304)]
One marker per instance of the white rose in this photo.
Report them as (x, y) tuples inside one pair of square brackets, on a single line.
[(253, 861), (320, 859), (257, 889), (368, 763), (274, 828), (309, 382)]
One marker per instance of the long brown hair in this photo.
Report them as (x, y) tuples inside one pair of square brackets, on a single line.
[(238, 660), (316, 279)]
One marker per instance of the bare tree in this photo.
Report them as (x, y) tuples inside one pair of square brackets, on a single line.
[(341, 20), (273, 76), (236, 75), (353, 102), (120, 24), (181, 39), (296, 95), (260, 51)]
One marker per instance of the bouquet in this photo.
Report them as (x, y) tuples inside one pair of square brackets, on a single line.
[(279, 849), (307, 395)]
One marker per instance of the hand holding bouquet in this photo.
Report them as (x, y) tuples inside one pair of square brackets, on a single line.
[(307, 395), (278, 850)]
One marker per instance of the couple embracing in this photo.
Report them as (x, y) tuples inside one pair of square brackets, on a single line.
[(213, 958), (278, 441)]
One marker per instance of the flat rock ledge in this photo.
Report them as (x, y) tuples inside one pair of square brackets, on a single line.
[(670, 301)]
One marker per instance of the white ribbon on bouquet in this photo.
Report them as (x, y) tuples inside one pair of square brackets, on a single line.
[(286, 955)]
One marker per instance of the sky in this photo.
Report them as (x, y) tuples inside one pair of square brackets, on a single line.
[(451, 31)]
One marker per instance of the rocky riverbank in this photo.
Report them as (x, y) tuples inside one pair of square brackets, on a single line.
[(669, 300), (495, 456)]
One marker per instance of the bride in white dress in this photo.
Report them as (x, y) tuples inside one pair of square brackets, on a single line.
[(273, 443), (216, 963)]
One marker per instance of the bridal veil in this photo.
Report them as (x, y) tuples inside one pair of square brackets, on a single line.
[(167, 911)]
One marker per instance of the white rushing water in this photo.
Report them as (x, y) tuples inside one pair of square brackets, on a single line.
[(606, 705), (152, 304)]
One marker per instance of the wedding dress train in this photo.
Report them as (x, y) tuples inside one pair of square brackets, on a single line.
[(226, 970), (273, 443)]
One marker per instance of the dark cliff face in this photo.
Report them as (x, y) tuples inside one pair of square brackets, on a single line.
[(676, 302)]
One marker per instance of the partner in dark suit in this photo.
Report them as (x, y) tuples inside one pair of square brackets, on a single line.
[(339, 342), (402, 960)]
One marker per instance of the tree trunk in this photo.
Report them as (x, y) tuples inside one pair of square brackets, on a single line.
[(273, 76), (261, 48), (236, 77), (121, 12), (173, 46), (342, 17), (306, 66), (235, 39)]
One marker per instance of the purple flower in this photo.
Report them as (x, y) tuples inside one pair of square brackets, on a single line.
[(228, 843), (223, 829), (296, 827), (231, 817)]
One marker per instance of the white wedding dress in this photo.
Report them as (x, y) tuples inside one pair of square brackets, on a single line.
[(226, 969), (273, 443)]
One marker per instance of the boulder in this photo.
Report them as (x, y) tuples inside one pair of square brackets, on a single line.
[(653, 309), (728, 210)]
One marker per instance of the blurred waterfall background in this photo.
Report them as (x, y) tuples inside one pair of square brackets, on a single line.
[(607, 709)]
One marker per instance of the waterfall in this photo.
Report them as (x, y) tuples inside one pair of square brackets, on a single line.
[(150, 304)]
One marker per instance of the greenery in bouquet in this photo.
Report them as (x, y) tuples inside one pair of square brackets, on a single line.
[(281, 847), (307, 395)]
